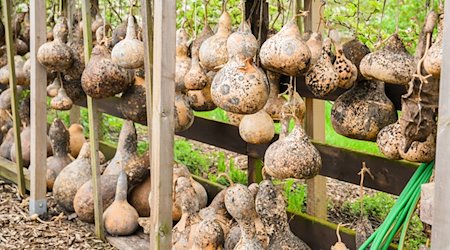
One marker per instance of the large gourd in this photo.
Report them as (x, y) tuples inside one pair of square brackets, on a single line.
[(129, 53), (59, 138)]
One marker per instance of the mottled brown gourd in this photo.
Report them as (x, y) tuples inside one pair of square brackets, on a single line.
[(71, 178), (103, 78), (363, 111), (315, 46), (240, 203), (346, 70), (285, 52), (132, 103), (201, 100), (433, 59), (61, 101), (354, 50), (232, 238), (56, 55), (59, 138), (271, 208), (419, 151), (129, 53), (322, 78), (209, 236), (184, 115), (121, 218), (234, 119), (240, 87), (275, 101), (52, 89), (388, 141), (213, 51), (218, 212), (77, 139), (183, 61), (242, 44), (392, 64), (138, 198), (257, 128)]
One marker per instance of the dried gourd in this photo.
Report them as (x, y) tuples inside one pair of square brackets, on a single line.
[(59, 138), (76, 45), (183, 61), (363, 111), (201, 100), (433, 59), (209, 235), (61, 101), (354, 50), (184, 115), (346, 70), (52, 89), (286, 52), (129, 53), (260, 134), (232, 238), (322, 78), (121, 218), (234, 119), (133, 104), (242, 44), (271, 208), (138, 198), (315, 46), (419, 151), (218, 212), (388, 141), (21, 78), (77, 139), (392, 64), (56, 55), (97, 23), (275, 101)]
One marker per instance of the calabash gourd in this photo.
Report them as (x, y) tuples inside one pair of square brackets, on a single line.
[(275, 101), (132, 103), (286, 52), (257, 128), (271, 208), (56, 55), (121, 218), (201, 100), (354, 50), (242, 44), (419, 151), (59, 138), (61, 101), (363, 111), (129, 53), (433, 59), (346, 70), (392, 64), (218, 212), (77, 139), (232, 238), (182, 59)]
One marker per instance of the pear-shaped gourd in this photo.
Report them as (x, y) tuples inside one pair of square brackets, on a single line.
[(346, 70), (129, 53), (392, 64), (388, 141), (240, 87), (285, 52), (56, 55), (133, 103), (315, 46), (183, 61), (275, 101), (71, 178), (61, 101), (242, 44), (419, 151), (260, 134), (363, 111), (433, 59), (271, 208), (184, 115), (322, 79), (59, 138), (121, 218), (102, 77), (292, 156), (213, 51), (201, 100), (197, 78), (77, 139), (52, 89)]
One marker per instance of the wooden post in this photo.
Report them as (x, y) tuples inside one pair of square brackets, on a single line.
[(315, 128), (163, 123), (38, 100), (441, 213), (14, 99), (93, 127)]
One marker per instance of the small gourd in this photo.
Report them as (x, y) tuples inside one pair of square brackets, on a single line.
[(392, 64), (275, 101), (132, 103), (322, 79), (388, 141), (59, 138), (315, 46), (433, 59), (56, 55), (213, 51), (102, 77), (201, 100), (184, 115), (121, 218), (346, 70), (261, 133), (129, 53), (77, 139), (240, 87), (182, 60), (61, 101), (271, 208), (286, 52), (363, 111), (52, 89), (209, 236)]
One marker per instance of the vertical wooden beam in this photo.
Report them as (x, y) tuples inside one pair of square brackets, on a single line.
[(147, 18), (7, 12), (163, 123), (441, 213), (93, 126), (38, 100), (315, 128)]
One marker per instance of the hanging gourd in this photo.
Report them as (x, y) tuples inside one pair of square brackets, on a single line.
[(52, 89), (433, 59), (392, 64), (346, 70), (275, 101), (315, 46), (133, 104), (257, 128), (388, 141), (129, 53), (201, 100), (354, 50), (61, 101), (182, 59)]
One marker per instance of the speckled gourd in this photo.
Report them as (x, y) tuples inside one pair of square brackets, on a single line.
[(201, 100), (56, 55), (184, 115), (392, 64), (347, 71), (59, 138), (271, 208), (133, 104), (242, 44), (419, 151), (218, 212), (322, 78), (286, 52), (209, 236), (121, 218), (182, 59), (363, 111), (388, 141), (129, 53), (275, 101), (61, 101), (354, 50), (257, 128)]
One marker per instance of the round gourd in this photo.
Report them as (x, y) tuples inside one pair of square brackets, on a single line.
[(388, 141), (257, 128)]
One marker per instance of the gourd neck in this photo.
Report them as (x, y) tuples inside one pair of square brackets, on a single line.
[(122, 187), (127, 139), (131, 29)]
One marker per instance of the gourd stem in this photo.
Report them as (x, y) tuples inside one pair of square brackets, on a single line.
[(321, 19), (226, 177), (60, 80), (205, 19)]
